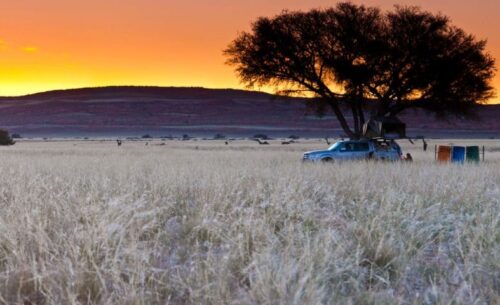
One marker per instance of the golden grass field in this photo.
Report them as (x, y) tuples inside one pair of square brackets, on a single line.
[(200, 222)]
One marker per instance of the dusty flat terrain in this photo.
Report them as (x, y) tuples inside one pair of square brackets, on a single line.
[(201, 222), (294, 150)]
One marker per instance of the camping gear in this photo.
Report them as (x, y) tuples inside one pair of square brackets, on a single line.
[(444, 153), (472, 153), (458, 154), (384, 127)]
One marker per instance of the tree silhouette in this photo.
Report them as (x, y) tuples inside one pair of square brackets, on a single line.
[(364, 61)]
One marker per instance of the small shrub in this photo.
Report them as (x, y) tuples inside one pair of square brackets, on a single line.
[(5, 138), (147, 136), (219, 136), (16, 136), (261, 136)]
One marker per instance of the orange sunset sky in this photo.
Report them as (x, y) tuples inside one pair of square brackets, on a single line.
[(56, 44)]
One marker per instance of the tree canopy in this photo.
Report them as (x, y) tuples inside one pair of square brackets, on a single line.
[(361, 60)]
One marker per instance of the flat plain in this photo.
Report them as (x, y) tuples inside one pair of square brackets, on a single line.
[(202, 222)]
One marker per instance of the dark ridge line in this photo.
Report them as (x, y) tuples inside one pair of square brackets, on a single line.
[(115, 91)]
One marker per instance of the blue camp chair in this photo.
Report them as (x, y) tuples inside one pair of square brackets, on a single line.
[(458, 154)]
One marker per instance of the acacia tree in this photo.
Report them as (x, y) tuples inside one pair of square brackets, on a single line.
[(367, 62)]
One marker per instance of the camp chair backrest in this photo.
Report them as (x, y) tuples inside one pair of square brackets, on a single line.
[(472, 153), (444, 153), (458, 154)]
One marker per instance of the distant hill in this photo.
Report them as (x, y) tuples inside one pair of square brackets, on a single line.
[(173, 111), (141, 92)]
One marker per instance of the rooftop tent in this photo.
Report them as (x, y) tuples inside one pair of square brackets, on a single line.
[(385, 127)]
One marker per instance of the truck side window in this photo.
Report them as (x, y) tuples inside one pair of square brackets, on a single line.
[(362, 147)]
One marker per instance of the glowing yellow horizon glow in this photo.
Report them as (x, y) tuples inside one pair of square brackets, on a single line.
[(60, 44), (29, 49)]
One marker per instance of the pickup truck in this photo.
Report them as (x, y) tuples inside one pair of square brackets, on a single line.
[(376, 149)]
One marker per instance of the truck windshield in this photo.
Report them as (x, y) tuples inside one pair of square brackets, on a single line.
[(334, 146)]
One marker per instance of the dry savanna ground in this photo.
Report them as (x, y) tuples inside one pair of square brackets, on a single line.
[(201, 222)]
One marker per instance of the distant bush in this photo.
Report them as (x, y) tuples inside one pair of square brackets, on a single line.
[(5, 138), (185, 137), (16, 136), (293, 137), (261, 136), (219, 136), (146, 136)]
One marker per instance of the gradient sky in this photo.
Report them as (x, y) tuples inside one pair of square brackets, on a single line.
[(54, 44)]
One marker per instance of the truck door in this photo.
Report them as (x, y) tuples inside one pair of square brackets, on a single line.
[(362, 150), (353, 150), (343, 151)]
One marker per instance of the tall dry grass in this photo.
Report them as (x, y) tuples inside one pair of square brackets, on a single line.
[(197, 223)]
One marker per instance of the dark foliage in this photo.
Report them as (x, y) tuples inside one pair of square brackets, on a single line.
[(219, 136), (261, 136), (5, 138), (366, 61)]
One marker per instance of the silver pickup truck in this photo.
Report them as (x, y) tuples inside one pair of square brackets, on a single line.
[(377, 149)]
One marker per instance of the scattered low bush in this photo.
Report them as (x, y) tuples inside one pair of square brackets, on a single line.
[(261, 136), (219, 136), (5, 138)]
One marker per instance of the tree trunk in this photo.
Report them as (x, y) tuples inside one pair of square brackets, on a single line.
[(358, 105), (355, 118), (361, 114), (340, 117)]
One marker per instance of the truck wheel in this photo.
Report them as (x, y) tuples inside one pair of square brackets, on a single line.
[(327, 160)]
